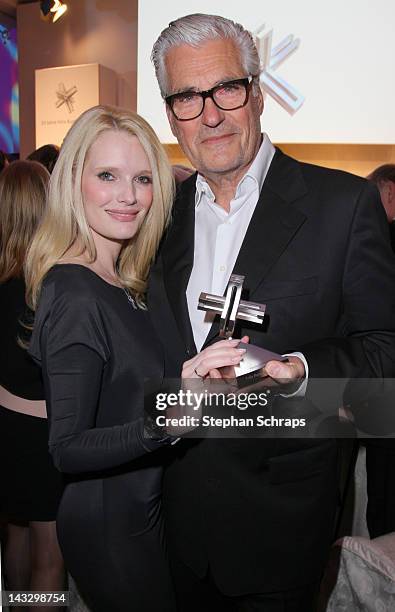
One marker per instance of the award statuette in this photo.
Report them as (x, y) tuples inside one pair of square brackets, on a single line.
[(231, 307)]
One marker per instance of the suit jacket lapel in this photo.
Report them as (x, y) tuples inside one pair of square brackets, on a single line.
[(274, 222), (177, 254), (272, 226)]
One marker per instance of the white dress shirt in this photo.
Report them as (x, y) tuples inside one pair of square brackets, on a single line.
[(218, 238)]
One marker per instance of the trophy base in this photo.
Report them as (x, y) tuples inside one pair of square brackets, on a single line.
[(251, 370)]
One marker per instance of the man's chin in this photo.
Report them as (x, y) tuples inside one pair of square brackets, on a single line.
[(220, 167)]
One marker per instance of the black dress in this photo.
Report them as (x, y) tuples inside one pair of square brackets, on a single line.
[(30, 486), (97, 352)]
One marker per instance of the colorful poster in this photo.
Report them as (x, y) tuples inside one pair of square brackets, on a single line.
[(9, 96)]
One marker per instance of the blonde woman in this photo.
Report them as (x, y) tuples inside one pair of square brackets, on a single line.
[(30, 486), (109, 201)]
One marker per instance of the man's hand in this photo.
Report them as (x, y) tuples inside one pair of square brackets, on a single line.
[(285, 372)]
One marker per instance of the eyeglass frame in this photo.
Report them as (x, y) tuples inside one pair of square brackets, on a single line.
[(209, 93)]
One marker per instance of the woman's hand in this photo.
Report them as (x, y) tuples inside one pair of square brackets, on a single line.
[(218, 355)]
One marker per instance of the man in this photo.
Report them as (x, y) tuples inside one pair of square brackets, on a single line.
[(384, 178), (249, 521), (380, 453)]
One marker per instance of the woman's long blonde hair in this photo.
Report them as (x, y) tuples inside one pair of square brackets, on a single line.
[(23, 186), (64, 223)]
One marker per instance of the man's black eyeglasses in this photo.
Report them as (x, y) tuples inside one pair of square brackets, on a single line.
[(231, 95)]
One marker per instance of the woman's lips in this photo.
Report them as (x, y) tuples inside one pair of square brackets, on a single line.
[(125, 216)]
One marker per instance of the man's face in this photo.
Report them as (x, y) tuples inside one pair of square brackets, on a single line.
[(218, 142)]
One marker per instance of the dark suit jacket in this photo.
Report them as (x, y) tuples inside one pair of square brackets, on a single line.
[(260, 512), (392, 235)]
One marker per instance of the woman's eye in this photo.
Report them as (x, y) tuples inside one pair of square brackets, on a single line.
[(106, 176), (144, 180)]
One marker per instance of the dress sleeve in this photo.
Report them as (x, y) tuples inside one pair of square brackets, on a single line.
[(69, 341)]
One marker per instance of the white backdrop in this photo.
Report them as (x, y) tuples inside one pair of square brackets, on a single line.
[(344, 66)]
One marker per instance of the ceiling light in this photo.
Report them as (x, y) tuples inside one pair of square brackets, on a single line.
[(52, 9), (59, 11)]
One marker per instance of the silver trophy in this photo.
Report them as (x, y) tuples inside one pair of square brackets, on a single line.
[(231, 307)]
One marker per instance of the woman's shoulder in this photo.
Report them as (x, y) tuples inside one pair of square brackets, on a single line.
[(71, 279), (71, 289), (12, 299), (14, 286), (68, 304)]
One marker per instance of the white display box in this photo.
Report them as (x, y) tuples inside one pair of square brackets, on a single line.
[(63, 93)]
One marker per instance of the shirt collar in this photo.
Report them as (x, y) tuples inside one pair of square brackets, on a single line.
[(255, 174)]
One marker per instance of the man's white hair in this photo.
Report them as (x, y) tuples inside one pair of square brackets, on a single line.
[(195, 30)]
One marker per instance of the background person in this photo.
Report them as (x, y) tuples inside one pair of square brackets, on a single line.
[(250, 522), (3, 160), (384, 178), (380, 453), (110, 198), (30, 486), (46, 155)]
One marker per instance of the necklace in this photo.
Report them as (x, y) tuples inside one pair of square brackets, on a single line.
[(131, 299)]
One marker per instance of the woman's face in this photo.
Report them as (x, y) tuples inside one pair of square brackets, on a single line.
[(116, 186)]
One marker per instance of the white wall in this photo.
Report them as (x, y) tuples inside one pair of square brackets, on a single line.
[(344, 65)]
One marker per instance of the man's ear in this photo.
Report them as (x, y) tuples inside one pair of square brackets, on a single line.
[(260, 100), (171, 120)]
